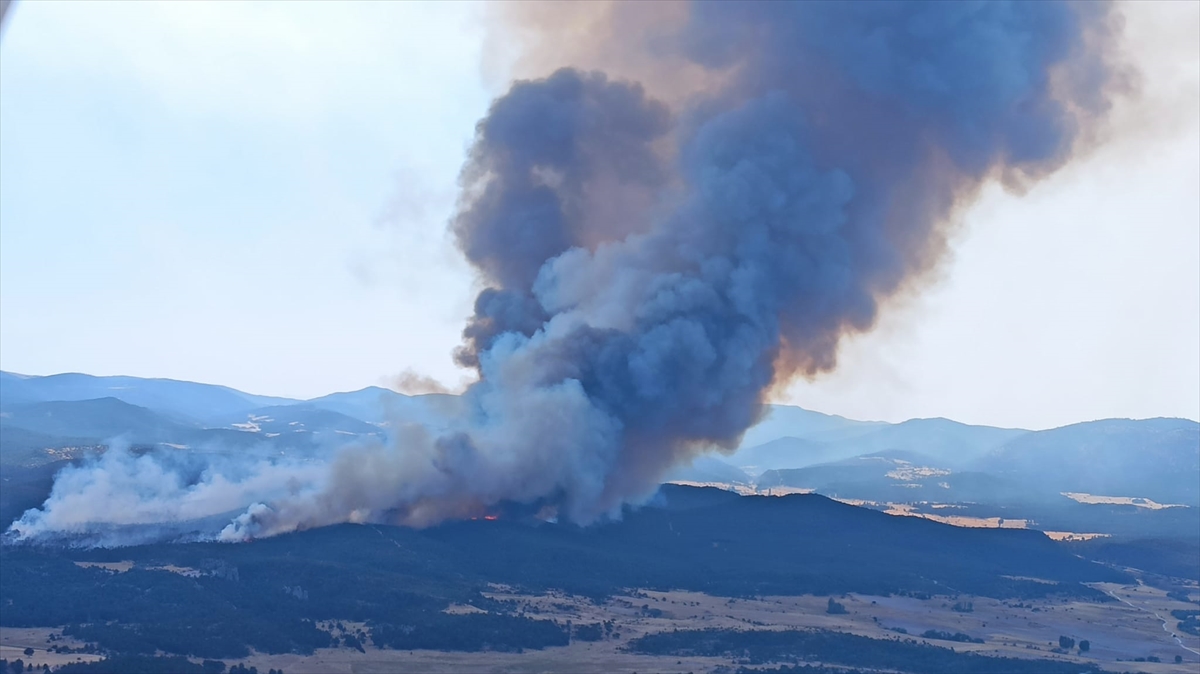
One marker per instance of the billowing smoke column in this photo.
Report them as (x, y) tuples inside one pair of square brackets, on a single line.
[(653, 272), (654, 269)]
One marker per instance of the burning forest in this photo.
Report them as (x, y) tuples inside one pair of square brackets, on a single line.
[(655, 262)]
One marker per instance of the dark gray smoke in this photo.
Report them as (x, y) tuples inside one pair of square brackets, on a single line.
[(815, 183), (559, 163), (653, 269)]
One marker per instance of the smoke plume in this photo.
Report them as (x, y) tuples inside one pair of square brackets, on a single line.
[(655, 264)]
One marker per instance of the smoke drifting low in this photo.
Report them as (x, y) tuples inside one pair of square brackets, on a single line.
[(653, 266)]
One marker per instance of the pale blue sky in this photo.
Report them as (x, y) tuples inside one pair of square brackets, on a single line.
[(256, 194)]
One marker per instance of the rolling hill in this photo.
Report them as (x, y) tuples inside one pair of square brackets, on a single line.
[(1157, 459), (901, 476), (101, 418), (298, 418), (788, 420), (186, 399), (936, 460), (818, 440), (28, 430), (784, 453), (704, 540), (384, 406)]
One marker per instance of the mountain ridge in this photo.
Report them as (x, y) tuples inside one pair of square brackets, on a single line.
[(932, 459)]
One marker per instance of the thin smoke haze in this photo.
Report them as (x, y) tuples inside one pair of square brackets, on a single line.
[(5, 9), (655, 264)]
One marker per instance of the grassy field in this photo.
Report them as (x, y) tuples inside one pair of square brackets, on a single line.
[(1118, 632), (14, 641)]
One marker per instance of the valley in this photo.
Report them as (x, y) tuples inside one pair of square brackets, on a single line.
[(637, 337), (934, 552), (1118, 633)]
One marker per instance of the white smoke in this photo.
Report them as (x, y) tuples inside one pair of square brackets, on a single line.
[(525, 440), (122, 496)]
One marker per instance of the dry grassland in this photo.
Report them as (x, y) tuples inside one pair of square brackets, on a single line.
[(1137, 624), (1119, 500), (115, 567), (1118, 632), (14, 641)]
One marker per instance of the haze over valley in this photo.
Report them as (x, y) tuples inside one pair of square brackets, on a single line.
[(1096, 478), (604, 262)]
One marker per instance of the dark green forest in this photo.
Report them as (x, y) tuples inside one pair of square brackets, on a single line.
[(269, 595), (837, 648)]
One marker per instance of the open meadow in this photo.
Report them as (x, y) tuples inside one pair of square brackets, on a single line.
[(1118, 632)]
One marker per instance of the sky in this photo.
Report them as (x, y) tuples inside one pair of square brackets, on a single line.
[(256, 195)]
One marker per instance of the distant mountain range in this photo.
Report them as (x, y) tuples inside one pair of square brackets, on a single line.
[(199, 402), (791, 437), (1152, 458), (1158, 459), (44, 420), (72, 409)]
